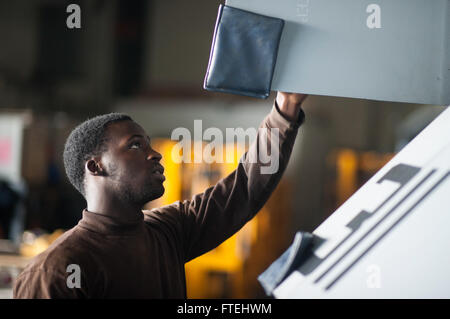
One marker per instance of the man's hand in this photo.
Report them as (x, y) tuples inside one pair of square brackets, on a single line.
[(289, 104)]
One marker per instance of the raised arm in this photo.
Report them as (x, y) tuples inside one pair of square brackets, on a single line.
[(209, 218)]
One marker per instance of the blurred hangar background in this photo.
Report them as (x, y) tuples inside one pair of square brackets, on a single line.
[(147, 58)]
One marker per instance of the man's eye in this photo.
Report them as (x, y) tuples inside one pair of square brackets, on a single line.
[(135, 145)]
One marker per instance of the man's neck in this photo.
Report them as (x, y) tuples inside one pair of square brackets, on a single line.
[(121, 212)]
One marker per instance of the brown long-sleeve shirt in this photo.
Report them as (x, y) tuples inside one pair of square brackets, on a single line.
[(146, 259)]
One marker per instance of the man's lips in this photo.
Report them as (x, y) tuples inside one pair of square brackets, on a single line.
[(159, 172), (158, 169)]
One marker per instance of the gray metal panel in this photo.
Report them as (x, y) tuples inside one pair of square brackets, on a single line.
[(328, 49), (391, 238)]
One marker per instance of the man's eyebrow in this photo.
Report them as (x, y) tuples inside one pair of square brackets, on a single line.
[(139, 136)]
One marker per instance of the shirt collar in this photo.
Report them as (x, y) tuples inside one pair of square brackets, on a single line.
[(105, 224)]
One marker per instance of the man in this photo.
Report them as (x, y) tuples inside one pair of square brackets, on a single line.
[(119, 251)]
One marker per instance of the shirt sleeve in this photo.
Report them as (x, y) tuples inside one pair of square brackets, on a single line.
[(209, 218)]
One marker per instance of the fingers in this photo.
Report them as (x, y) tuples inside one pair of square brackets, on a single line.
[(291, 98)]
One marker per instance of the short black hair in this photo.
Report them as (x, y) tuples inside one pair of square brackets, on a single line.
[(85, 141)]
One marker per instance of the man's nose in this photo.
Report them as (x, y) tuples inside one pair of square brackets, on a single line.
[(154, 155)]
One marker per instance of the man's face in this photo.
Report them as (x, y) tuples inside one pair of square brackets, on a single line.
[(131, 165)]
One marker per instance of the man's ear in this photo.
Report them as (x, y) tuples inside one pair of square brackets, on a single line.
[(94, 167)]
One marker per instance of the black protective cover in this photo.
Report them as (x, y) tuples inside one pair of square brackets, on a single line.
[(286, 263), (243, 53)]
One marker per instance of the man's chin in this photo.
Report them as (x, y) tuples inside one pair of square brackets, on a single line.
[(162, 191), (157, 193)]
